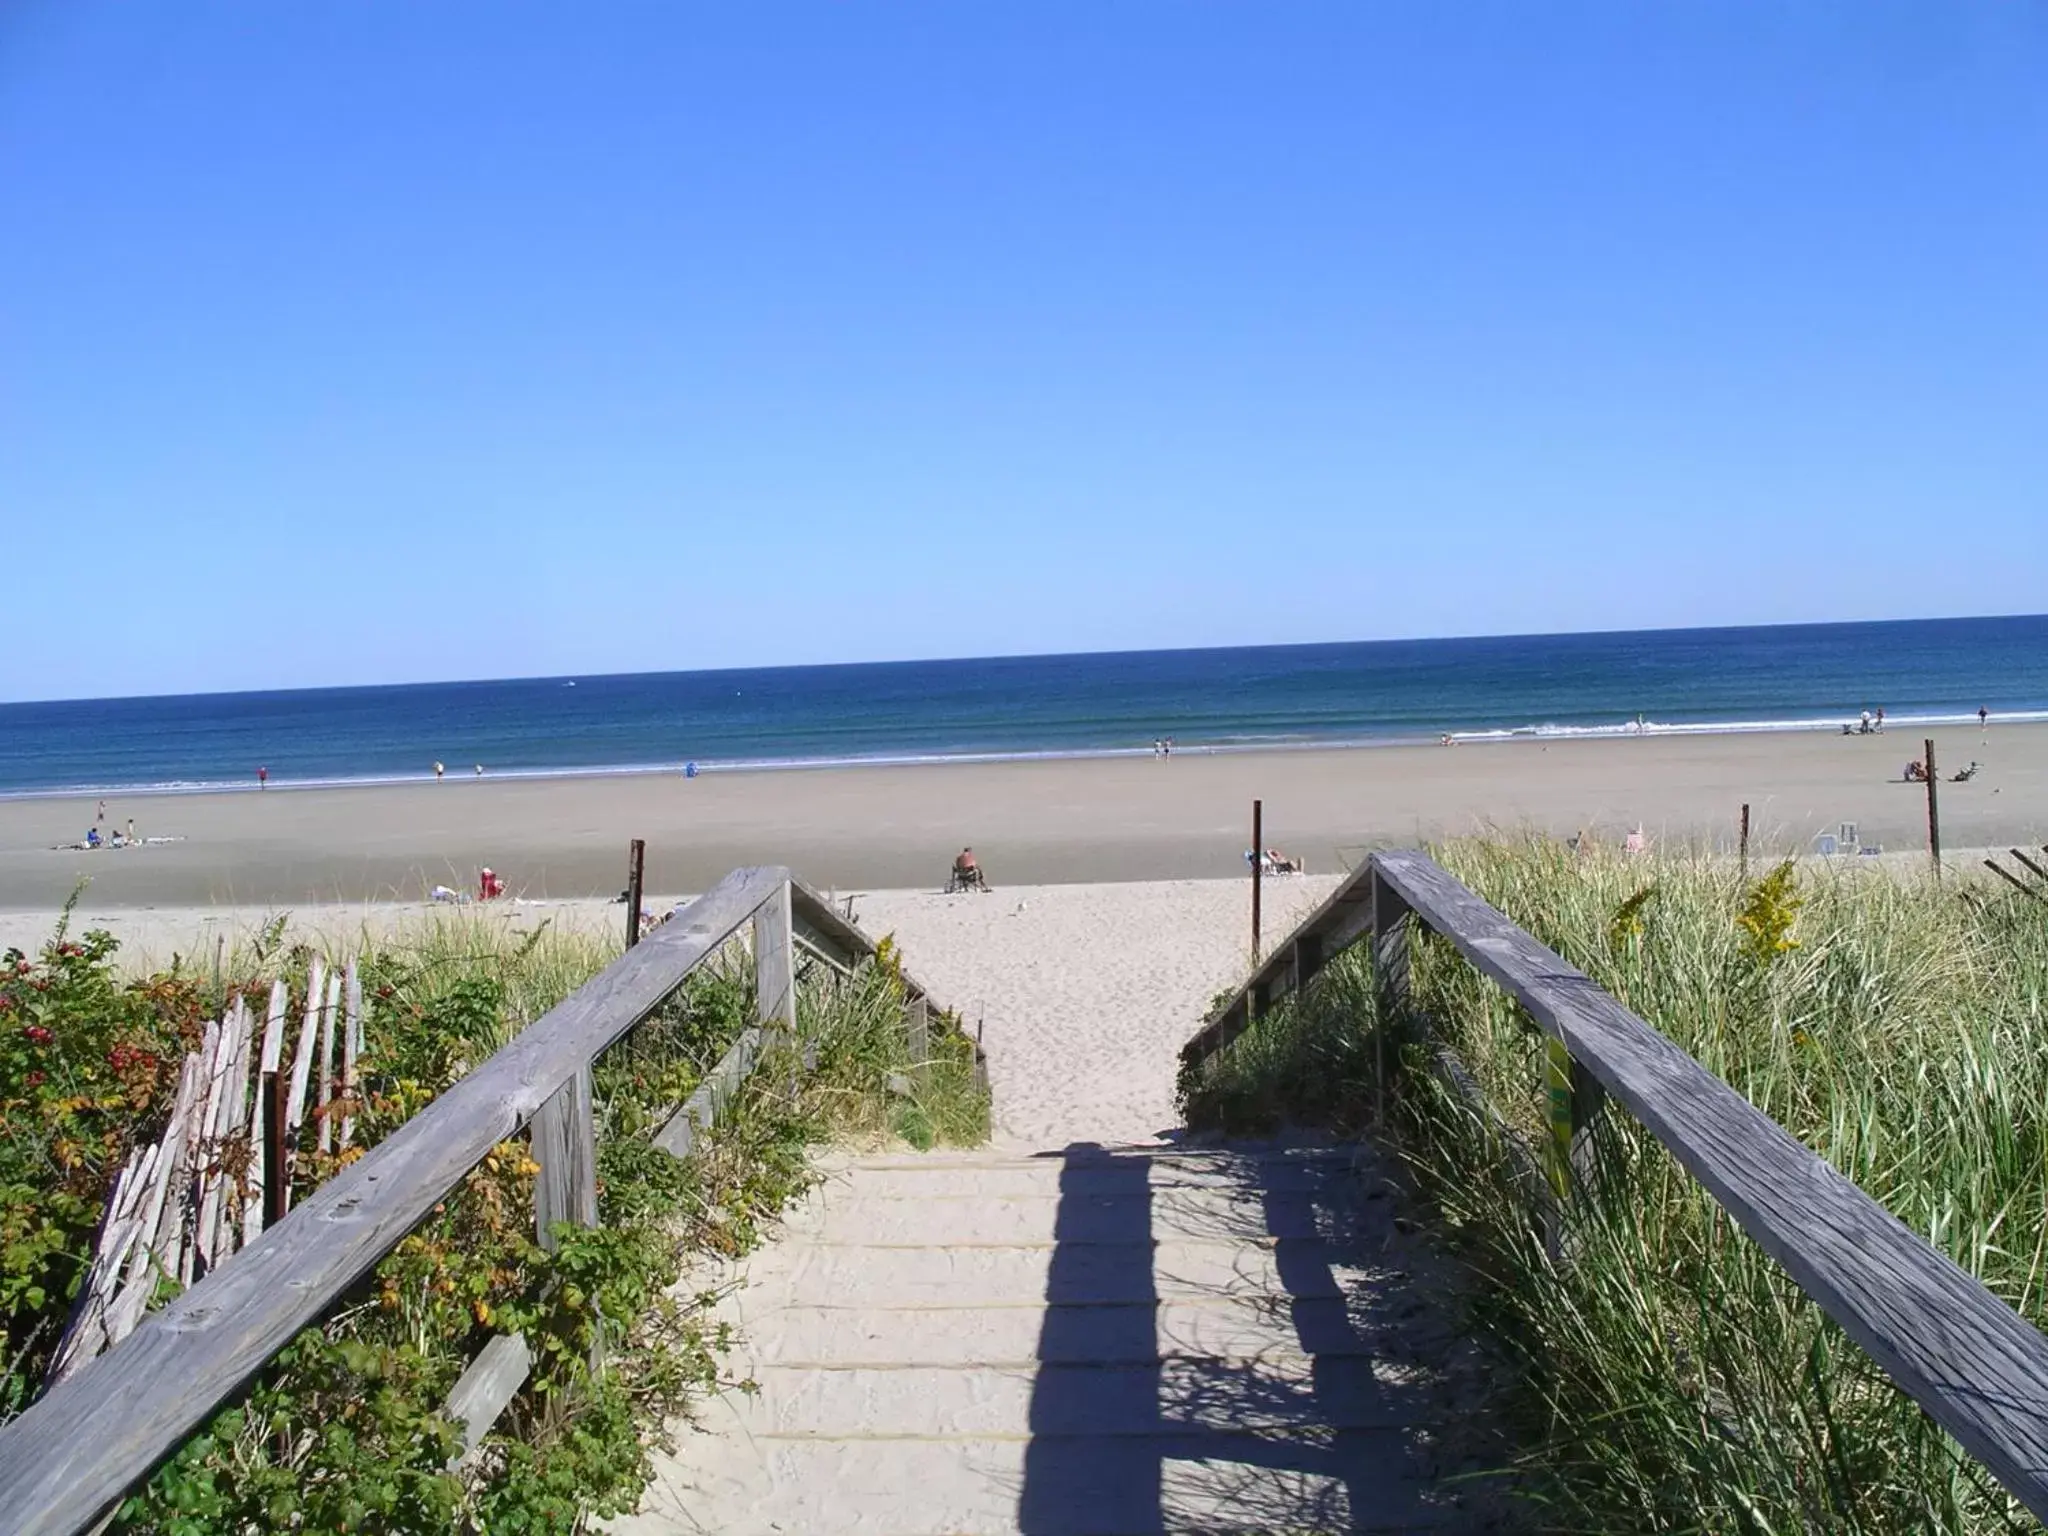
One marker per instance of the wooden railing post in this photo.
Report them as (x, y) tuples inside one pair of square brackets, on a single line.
[(1390, 918), (1258, 852), (564, 1135), (775, 963), (917, 1024), (1575, 1100), (1933, 778), (1308, 959), (1589, 1098), (636, 870)]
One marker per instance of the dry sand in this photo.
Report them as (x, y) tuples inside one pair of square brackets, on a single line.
[(1032, 822), (1085, 993)]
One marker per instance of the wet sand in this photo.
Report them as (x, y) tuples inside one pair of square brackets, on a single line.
[(1032, 823)]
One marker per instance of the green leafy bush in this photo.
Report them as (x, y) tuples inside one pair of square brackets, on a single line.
[(87, 1068)]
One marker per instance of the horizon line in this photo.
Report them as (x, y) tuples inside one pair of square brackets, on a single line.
[(903, 661)]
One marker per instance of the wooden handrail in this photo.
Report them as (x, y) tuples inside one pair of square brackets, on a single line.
[(1977, 1367), (840, 944), (98, 1433)]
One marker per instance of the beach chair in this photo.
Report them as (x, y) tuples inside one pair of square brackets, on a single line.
[(969, 879)]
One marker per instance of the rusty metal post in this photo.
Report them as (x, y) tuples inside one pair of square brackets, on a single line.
[(1258, 852), (636, 862), (1933, 810)]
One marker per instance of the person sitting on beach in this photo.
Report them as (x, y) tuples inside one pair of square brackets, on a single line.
[(1280, 864), (488, 886), (1916, 771), (1966, 774), (967, 875)]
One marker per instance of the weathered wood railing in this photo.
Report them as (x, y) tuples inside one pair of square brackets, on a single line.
[(1974, 1365), (66, 1460)]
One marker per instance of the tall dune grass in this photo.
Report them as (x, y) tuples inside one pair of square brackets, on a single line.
[(1673, 1377)]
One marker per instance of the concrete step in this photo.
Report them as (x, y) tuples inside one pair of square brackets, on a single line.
[(1099, 1340), (856, 1215), (1135, 1333), (970, 1175), (1290, 1392), (1133, 1485), (818, 1275)]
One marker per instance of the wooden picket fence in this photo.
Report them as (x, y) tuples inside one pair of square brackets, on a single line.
[(224, 1165)]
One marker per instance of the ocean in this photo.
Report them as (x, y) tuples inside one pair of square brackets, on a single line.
[(1790, 677)]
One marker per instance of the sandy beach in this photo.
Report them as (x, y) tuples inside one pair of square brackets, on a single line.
[(1032, 823)]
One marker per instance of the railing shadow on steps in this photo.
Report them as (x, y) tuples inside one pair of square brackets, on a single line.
[(71, 1456), (1972, 1363), (1169, 1398)]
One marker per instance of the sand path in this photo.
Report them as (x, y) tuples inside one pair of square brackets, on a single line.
[(1085, 993), (1083, 1327)]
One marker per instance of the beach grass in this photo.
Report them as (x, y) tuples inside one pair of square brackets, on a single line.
[(1670, 1375)]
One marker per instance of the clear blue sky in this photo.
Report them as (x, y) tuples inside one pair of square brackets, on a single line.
[(357, 340)]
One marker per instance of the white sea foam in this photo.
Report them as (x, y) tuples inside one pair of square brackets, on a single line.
[(1230, 745), (1739, 727)]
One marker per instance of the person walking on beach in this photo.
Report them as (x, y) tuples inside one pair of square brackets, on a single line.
[(263, 778), (1880, 719), (438, 771), (103, 810), (1983, 718)]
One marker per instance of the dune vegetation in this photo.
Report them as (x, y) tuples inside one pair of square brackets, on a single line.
[(1669, 1375), (346, 1430)]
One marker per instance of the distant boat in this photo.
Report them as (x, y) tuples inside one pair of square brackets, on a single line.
[(570, 684)]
